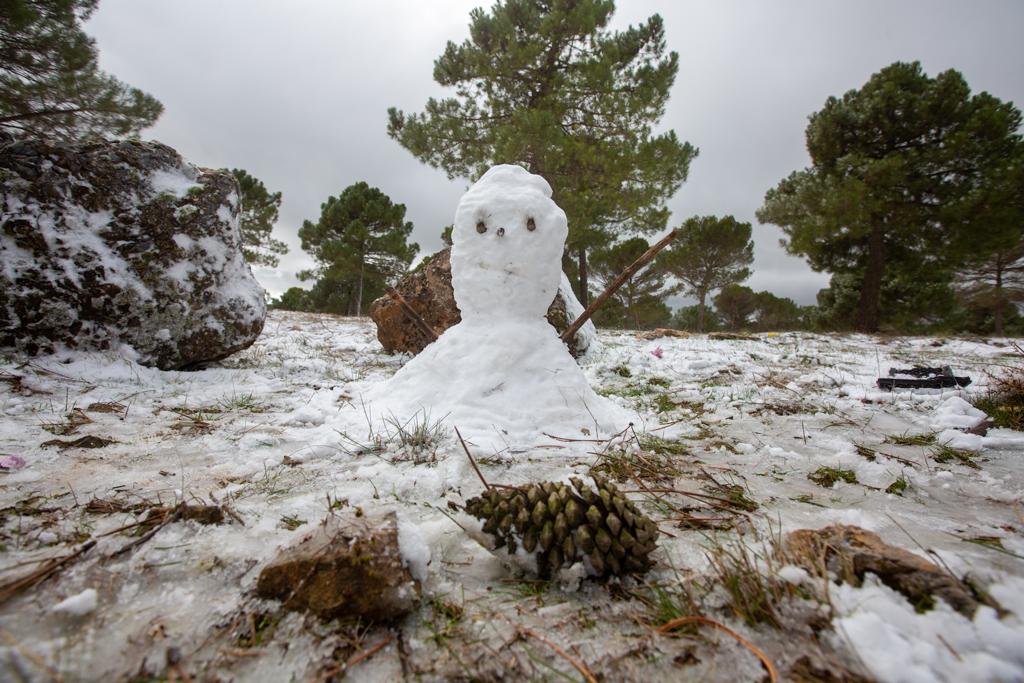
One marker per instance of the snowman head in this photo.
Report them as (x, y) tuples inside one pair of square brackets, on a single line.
[(507, 246)]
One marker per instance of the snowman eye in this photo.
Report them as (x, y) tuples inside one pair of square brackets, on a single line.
[(531, 225), (481, 227)]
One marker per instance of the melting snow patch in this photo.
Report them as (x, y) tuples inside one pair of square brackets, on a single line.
[(172, 182), (899, 645), (78, 605), (956, 413), (414, 549)]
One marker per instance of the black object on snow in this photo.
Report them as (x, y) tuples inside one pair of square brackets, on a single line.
[(922, 378)]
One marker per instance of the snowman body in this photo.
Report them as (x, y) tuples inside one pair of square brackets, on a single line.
[(502, 375)]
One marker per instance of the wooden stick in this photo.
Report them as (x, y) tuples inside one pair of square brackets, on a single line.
[(615, 284), (411, 312), (773, 673), (471, 460)]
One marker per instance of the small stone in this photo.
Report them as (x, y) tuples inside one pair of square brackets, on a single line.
[(347, 568), (850, 552)]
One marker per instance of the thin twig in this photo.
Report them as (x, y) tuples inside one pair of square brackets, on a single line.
[(168, 518), (471, 460), (773, 673), (369, 652)]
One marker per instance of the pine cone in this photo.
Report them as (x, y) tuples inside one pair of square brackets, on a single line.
[(561, 526)]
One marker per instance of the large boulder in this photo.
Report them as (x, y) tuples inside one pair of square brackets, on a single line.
[(106, 245), (428, 291)]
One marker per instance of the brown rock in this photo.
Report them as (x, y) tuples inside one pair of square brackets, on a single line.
[(428, 291), (348, 567), (850, 552)]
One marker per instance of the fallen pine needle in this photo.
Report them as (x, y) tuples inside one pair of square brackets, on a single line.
[(239, 652), (584, 670), (773, 673), (356, 658), (369, 652)]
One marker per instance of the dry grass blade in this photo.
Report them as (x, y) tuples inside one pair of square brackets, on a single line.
[(1004, 401), (773, 673), (107, 407), (566, 439), (50, 567)]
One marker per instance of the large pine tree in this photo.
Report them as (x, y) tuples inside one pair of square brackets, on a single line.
[(50, 83), (736, 303), (259, 213), (545, 84), (893, 166), (709, 253), (360, 246)]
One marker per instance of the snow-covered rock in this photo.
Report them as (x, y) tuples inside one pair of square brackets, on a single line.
[(111, 244)]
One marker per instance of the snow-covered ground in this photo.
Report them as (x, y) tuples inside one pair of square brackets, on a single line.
[(280, 436)]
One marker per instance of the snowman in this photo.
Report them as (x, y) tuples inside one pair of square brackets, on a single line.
[(502, 375)]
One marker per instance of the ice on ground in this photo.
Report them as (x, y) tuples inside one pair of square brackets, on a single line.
[(502, 375)]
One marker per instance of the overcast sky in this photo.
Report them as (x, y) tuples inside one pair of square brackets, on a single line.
[(296, 92)]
